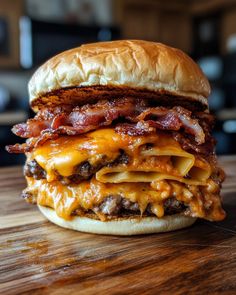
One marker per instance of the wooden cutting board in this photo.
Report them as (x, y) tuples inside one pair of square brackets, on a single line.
[(37, 257)]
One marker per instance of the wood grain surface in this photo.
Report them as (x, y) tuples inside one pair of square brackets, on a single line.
[(37, 257)]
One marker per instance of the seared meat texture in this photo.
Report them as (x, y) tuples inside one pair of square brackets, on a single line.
[(173, 206), (118, 206), (33, 169), (82, 172)]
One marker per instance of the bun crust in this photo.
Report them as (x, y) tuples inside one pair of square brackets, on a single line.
[(136, 64), (123, 227)]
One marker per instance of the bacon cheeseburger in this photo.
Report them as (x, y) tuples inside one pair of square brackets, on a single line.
[(121, 141)]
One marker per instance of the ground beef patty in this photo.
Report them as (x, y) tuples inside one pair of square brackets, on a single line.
[(112, 206), (33, 169), (119, 206), (83, 171)]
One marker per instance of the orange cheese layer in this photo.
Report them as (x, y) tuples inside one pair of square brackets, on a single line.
[(204, 203), (61, 156)]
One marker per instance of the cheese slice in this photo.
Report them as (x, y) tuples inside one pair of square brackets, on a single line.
[(153, 157), (158, 168)]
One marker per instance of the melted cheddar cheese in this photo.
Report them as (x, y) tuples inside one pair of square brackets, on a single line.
[(163, 159), (158, 169), (89, 194)]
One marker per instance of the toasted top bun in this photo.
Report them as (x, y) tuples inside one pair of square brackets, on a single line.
[(128, 64), (123, 227)]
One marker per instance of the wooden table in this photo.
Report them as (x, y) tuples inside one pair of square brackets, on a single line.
[(38, 257)]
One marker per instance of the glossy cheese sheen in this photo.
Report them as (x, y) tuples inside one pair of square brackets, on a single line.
[(61, 156), (89, 194), (65, 199), (64, 153)]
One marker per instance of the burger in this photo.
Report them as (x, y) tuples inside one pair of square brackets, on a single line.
[(121, 141)]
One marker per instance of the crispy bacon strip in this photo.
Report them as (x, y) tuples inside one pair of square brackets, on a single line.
[(32, 128), (139, 119), (80, 119), (141, 128), (173, 119), (31, 143), (187, 144), (19, 148)]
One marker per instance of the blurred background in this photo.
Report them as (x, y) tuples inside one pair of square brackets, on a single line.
[(31, 31)]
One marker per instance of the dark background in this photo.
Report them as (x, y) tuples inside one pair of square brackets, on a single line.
[(32, 31)]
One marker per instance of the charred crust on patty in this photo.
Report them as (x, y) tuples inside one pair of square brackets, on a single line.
[(116, 206), (92, 94), (83, 171), (33, 169)]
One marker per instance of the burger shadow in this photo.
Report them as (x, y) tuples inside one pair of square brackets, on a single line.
[(203, 233)]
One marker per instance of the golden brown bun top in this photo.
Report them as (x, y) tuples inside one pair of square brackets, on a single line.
[(136, 64)]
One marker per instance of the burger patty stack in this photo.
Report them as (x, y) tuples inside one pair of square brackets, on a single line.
[(121, 141)]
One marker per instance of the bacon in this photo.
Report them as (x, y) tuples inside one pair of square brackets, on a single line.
[(45, 119), (18, 148), (173, 119), (103, 113), (141, 128), (32, 128), (137, 117), (207, 122), (80, 119), (32, 143), (50, 112), (58, 120), (187, 144)]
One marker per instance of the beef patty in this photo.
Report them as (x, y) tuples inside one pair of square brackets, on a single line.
[(83, 171)]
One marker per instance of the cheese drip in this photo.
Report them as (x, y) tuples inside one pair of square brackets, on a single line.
[(89, 194), (157, 153)]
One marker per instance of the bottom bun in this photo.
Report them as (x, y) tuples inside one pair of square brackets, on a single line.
[(123, 227)]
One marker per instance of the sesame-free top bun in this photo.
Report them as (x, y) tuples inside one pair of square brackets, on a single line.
[(94, 70), (124, 226)]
